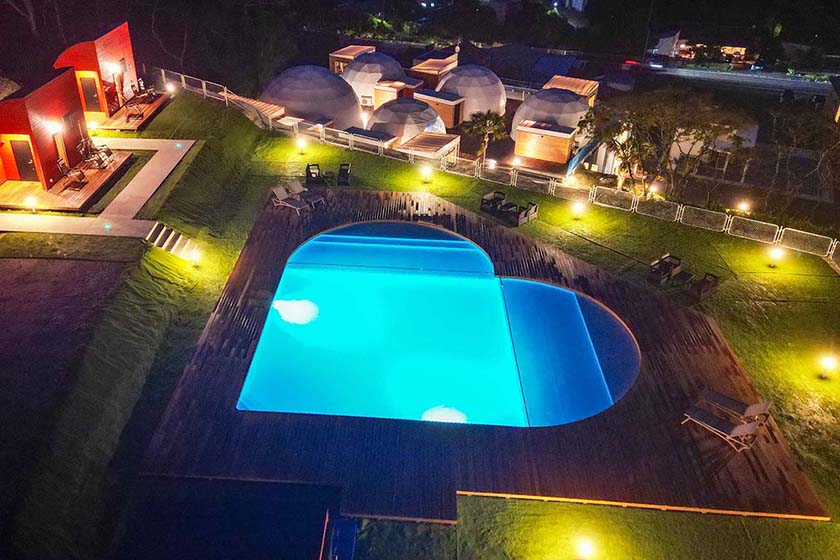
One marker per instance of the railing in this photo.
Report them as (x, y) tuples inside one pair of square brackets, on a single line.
[(527, 179)]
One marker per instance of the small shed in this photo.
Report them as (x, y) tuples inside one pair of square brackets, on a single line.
[(433, 145), (342, 57), (580, 86), (448, 105), (545, 141)]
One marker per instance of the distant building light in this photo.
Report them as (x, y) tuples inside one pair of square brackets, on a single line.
[(517, 161), (490, 163)]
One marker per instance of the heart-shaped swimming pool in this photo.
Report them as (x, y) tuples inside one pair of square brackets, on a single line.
[(408, 321)]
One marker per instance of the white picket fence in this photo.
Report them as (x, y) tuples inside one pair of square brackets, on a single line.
[(735, 225)]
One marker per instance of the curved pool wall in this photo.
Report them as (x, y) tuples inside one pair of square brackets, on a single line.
[(407, 321)]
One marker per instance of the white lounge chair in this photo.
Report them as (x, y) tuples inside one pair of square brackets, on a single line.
[(758, 412), (739, 436), (280, 197)]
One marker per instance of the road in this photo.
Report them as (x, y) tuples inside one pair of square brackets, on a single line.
[(751, 80)]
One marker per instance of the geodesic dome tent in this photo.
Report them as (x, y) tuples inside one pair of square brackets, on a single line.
[(480, 87), (314, 93), (554, 106), (368, 69), (405, 118)]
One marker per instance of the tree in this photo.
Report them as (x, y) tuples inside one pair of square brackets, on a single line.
[(665, 132), (489, 125)]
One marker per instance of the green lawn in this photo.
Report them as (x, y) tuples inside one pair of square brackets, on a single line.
[(778, 320)]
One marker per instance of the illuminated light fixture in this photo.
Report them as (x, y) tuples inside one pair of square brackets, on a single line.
[(179, 145), (31, 202), (776, 254), (113, 68), (584, 549), (301, 144), (444, 414), (296, 311), (654, 189), (571, 180), (170, 87), (92, 125), (194, 257), (107, 227), (517, 161), (577, 209), (54, 127), (828, 364), (490, 163), (365, 118), (744, 206), (426, 171)]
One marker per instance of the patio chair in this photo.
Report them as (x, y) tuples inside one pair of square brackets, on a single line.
[(740, 437), (758, 412), (663, 269), (532, 211), (301, 192), (313, 175), (682, 278), (344, 175), (280, 197), (491, 201), (133, 110), (76, 175), (704, 287)]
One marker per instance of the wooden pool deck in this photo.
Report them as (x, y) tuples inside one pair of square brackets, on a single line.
[(636, 453)]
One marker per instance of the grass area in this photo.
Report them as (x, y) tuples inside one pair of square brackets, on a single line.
[(778, 321)]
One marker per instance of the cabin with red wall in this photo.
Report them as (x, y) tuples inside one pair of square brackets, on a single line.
[(37, 126), (105, 72)]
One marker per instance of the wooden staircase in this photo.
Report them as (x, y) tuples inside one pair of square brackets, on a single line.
[(171, 241)]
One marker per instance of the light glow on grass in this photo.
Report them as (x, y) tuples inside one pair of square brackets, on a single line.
[(584, 549), (426, 172), (776, 254), (301, 144), (578, 209), (744, 206)]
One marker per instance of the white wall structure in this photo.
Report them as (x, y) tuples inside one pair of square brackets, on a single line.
[(480, 87), (314, 93), (557, 106), (405, 118), (368, 69)]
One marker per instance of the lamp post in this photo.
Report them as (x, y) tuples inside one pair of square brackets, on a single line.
[(577, 209), (828, 364), (776, 254), (301, 144)]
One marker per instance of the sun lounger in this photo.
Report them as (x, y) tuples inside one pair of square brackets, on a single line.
[(313, 175), (739, 436), (704, 287), (76, 177), (758, 412), (280, 197), (304, 194)]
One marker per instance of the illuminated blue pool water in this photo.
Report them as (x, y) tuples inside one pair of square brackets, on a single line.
[(404, 321)]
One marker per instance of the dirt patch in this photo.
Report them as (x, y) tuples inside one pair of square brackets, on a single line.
[(47, 311)]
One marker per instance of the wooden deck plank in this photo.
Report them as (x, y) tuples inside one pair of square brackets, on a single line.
[(634, 453), (63, 196), (121, 121)]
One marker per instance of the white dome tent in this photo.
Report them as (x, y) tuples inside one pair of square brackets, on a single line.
[(405, 118), (480, 87), (554, 106), (368, 69), (316, 94)]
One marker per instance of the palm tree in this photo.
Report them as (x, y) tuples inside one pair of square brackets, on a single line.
[(490, 125)]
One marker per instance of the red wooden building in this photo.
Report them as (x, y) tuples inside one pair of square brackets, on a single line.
[(104, 72), (38, 124)]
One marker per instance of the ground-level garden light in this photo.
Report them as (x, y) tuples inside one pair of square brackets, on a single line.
[(301, 144), (776, 254), (584, 549), (194, 256), (828, 364), (169, 87), (426, 172), (578, 209), (744, 207), (32, 203), (517, 161)]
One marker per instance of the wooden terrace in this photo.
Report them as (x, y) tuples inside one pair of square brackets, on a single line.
[(126, 119), (636, 453), (67, 195)]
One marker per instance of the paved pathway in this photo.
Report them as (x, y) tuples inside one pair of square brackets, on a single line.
[(118, 218)]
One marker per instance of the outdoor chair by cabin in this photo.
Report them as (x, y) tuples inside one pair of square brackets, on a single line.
[(76, 177), (299, 191), (344, 175), (740, 437), (280, 197), (313, 175), (758, 412), (491, 201), (704, 287), (134, 110)]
